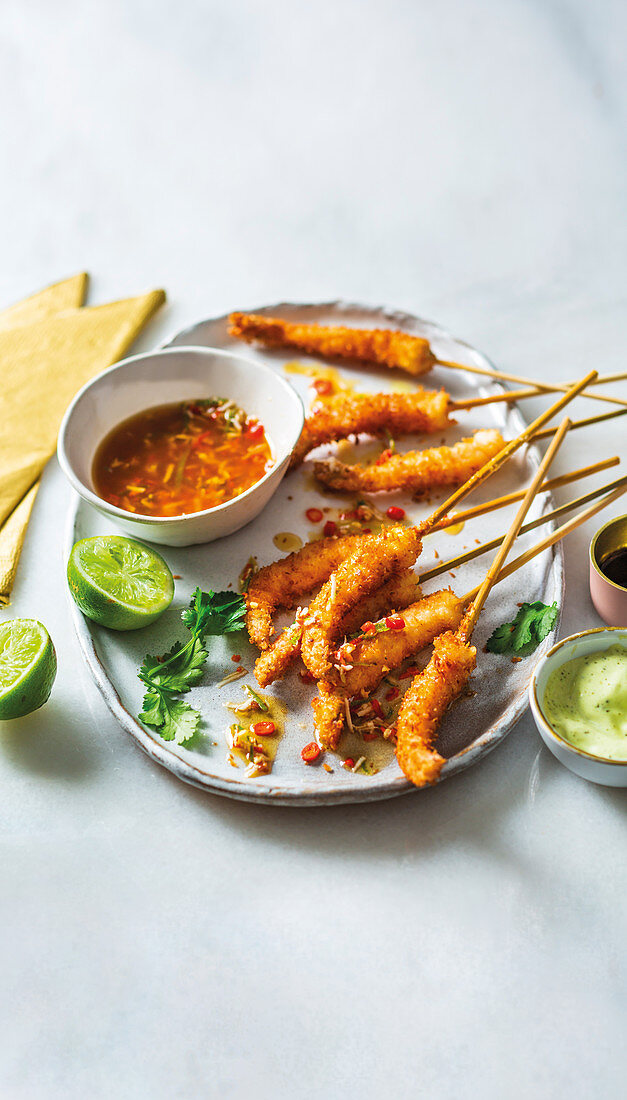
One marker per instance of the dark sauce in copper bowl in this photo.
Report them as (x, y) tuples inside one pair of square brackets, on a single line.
[(614, 566)]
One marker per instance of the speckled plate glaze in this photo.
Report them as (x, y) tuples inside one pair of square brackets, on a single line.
[(473, 726)]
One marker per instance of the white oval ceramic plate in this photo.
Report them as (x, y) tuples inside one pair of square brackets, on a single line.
[(473, 726)]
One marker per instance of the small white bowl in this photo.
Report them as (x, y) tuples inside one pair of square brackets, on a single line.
[(180, 374), (598, 769)]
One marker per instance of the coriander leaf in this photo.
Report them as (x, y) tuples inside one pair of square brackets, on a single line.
[(524, 633), (180, 669), (172, 718), (499, 640), (546, 621), (214, 613), (152, 714), (177, 671), (181, 721)]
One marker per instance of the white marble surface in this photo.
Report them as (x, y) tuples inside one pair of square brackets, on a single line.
[(462, 160)]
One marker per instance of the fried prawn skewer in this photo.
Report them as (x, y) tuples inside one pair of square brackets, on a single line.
[(361, 573), (361, 664), (372, 414), (399, 592), (272, 576), (377, 414), (434, 689), (385, 347), (377, 558), (284, 582), (416, 471)]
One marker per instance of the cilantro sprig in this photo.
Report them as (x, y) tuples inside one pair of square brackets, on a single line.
[(166, 677), (524, 633)]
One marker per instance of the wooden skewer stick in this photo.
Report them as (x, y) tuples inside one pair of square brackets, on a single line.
[(511, 498), (554, 537), (548, 432), (497, 461), (604, 378), (484, 547), (470, 618), (543, 387), (493, 399)]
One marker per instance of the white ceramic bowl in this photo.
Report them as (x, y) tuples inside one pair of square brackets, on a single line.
[(180, 374), (611, 773)]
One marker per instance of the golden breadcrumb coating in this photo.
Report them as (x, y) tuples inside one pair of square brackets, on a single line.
[(383, 346), (371, 564), (374, 414), (329, 713), (431, 693), (416, 472), (284, 582), (274, 662), (361, 664)]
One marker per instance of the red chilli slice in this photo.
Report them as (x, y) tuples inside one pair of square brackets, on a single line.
[(311, 752), (314, 515), (264, 729), (394, 512), (330, 528), (323, 386), (395, 622)]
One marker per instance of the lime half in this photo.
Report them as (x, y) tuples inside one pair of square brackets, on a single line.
[(28, 666), (118, 582)]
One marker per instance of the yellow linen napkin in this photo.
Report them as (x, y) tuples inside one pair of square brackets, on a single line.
[(42, 365), (68, 294)]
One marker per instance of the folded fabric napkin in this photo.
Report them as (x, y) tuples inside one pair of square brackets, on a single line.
[(49, 347)]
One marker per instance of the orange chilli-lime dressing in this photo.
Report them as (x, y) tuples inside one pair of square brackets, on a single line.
[(175, 459)]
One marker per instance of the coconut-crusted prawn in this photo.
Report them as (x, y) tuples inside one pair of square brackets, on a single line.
[(386, 347), (274, 662), (370, 565), (431, 693), (373, 414), (284, 582), (361, 663), (417, 472)]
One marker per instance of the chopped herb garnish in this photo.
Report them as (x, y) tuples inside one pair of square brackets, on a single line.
[(261, 703), (247, 574)]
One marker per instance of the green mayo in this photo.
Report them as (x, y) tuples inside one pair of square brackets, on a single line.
[(585, 701)]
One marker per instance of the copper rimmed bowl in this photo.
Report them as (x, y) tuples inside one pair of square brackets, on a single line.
[(609, 598)]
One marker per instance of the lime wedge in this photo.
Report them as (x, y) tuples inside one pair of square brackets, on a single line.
[(28, 666), (118, 582)]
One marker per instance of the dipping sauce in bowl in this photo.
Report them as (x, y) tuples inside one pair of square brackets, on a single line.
[(585, 702), (177, 459)]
